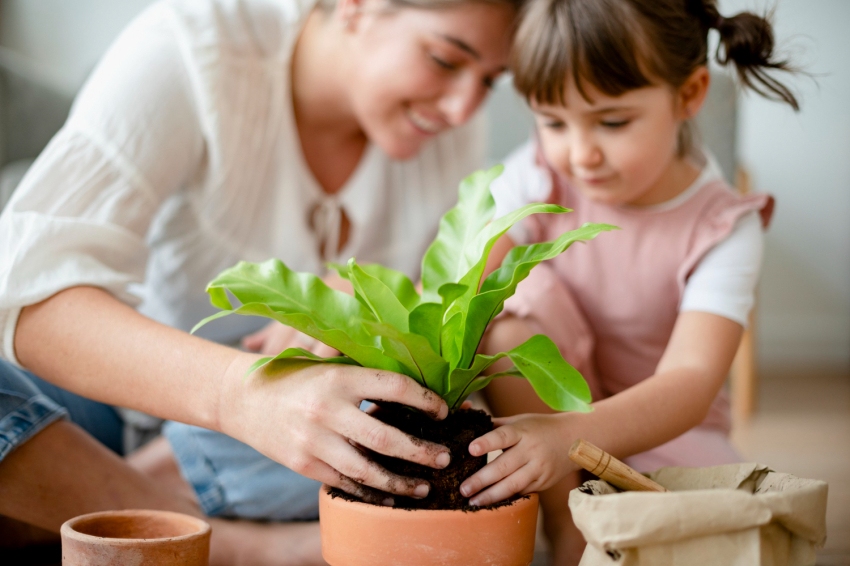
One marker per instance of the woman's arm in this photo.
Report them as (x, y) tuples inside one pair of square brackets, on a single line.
[(75, 238), (302, 415), (660, 408)]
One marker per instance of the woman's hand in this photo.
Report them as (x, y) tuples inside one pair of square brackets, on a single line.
[(535, 457), (307, 417)]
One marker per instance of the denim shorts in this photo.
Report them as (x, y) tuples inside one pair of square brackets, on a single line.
[(29, 404), (233, 480)]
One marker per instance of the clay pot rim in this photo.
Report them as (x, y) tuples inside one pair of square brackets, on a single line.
[(527, 499), (67, 530)]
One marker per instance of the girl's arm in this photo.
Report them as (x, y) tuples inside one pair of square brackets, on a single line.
[(302, 415), (500, 249), (657, 410)]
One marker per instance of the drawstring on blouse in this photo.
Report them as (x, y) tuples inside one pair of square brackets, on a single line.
[(326, 219)]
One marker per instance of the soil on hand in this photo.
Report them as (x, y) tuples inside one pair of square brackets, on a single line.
[(454, 432)]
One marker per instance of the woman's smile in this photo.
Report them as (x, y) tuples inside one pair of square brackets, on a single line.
[(427, 126)]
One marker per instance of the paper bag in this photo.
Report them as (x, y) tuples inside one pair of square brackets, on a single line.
[(733, 515)]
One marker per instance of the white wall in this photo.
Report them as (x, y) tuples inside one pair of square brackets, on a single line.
[(803, 159), (62, 38)]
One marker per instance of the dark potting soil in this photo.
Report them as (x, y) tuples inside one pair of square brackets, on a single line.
[(454, 432)]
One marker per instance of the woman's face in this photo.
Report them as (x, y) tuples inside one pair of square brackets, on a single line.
[(417, 72)]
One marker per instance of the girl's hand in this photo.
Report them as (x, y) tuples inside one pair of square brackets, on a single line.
[(307, 417), (535, 457), (275, 337)]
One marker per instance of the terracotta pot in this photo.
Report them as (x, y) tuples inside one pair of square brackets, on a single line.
[(358, 534), (135, 537)]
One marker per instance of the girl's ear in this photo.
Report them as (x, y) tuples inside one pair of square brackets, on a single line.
[(348, 12), (692, 93)]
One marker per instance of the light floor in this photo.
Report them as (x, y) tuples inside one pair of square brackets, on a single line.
[(802, 427)]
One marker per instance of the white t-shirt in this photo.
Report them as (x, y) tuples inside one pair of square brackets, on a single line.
[(724, 281), (181, 158)]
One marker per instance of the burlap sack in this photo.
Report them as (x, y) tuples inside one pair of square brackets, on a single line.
[(734, 515)]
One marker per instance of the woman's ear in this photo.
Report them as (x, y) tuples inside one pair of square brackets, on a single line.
[(692, 93)]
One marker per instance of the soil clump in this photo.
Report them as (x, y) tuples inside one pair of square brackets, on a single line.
[(455, 432)]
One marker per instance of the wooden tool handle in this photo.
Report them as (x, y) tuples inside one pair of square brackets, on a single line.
[(600, 463)]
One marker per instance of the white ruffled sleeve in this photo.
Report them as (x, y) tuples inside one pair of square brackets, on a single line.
[(724, 282), (81, 214), (523, 182)]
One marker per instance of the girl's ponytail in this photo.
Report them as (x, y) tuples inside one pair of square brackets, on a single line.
[(621, 45), (747, 41)]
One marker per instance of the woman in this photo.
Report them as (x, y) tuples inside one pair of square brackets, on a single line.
[(213, 132)]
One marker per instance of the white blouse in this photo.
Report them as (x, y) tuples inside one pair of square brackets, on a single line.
[(181, 158), (724, 281)]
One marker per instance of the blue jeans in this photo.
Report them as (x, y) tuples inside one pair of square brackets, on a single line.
[(233, 480), (29, 404)]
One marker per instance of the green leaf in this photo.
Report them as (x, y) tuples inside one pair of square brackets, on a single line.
[(445, 260), (557, 383), (482, 381), (399, 283), (501, 284), (211, 318), (378, 297), (299, 353), (538, 359), (461, 378), (449, 292), (481, 249), (302, 301), (414, 353), (367, 355), (451, 335), (426, 320)]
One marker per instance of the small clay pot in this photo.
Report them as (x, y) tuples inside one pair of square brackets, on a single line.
[(135, 537), (359, 534)]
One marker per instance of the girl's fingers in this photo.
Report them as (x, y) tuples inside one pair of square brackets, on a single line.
[(503, 466), (324, 350), (379, 385), (515, 483), (371, 433), (500, 438), (253, 342), (351, 463), (278, 339)]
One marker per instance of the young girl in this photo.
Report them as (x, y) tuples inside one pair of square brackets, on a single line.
[(651, 314)]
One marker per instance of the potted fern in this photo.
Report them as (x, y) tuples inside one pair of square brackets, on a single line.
[(432, 337)]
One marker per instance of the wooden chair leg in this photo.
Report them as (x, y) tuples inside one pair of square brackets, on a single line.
[(744, 377)]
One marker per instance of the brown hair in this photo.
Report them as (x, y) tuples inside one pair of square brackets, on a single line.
[(621, 45), (436, 4)]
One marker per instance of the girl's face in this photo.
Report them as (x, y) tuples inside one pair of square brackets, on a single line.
[(417, 72), (622, 150)]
